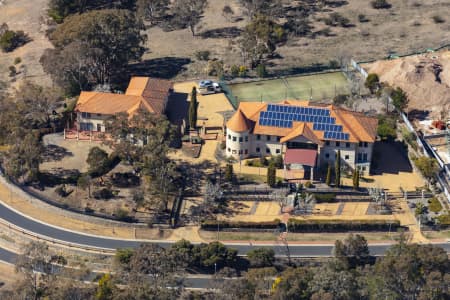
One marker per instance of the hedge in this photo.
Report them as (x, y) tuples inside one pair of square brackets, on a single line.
[(328, 197), (212, 225), (295, 225)]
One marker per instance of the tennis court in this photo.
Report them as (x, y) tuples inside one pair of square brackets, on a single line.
[(315, 87)]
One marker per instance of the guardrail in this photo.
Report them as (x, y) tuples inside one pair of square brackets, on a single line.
[(34, 235)]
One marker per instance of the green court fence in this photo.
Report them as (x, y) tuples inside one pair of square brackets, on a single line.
[(229, 94)]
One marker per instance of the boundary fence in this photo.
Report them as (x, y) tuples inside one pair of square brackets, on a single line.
[(426, 149)]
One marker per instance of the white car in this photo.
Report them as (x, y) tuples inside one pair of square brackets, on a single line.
[(209, 87)]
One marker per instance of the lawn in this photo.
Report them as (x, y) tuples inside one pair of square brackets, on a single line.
[(316, 87)]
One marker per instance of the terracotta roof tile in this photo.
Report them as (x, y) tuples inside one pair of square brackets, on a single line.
[(142, 93), (359, 126), (238, 122)]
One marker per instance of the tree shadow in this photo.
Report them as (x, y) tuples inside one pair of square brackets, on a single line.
[(177, 108), (164, 67), (418, 114), (225, 32), (390, 157), (336, 4), (56, 177), (55, 153)]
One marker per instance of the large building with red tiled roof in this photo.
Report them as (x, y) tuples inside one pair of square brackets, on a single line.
[(143, 93), (308, 136)]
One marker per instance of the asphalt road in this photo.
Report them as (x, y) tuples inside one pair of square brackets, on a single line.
[(109, 243)]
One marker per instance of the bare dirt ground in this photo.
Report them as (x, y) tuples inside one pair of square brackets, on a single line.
[(28, 16), (425, 78), (406, 27)]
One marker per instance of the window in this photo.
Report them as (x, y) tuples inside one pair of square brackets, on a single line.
[(278, 138), (246, 138), (229, 150), (338, 144), (347, 157), (234, 139), (278, 151), (347, 145), (327, 155), (85, 115), (234, 151), (366, 144), (359, 157), (364, 156), (268, 138), (258, 137), (229, 136), (267, 150), (246, 151), (327, 143), (360, 144), (99, 115), (258, 150), (240, 139), (363, 168), (240, 151)]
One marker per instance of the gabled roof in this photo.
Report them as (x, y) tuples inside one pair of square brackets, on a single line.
[(142, 93), (357, 127)]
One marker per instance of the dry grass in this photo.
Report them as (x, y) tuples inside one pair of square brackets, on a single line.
[(387, 30), (294, 237)]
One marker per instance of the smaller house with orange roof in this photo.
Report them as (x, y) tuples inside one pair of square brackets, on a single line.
[(308, 136), (145, 93)]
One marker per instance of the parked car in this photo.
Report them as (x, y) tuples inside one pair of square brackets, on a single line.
[(209, 87)]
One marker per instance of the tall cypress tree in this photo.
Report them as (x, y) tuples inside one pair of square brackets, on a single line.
[(193, 109), (337, 169), (328, 178), (271, 175), (356, 184)]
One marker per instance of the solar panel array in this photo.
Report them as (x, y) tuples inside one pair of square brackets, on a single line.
[(284, 116)]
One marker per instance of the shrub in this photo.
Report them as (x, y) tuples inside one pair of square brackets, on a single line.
[(103, 193), (10, 40), (334, 64), (427, 166), (122, 215), (215, 68), (434, 205), (12, 71), (296, 225), (340, 99), (381, 4), (242, 71), (234, 70), (202, 55), (362, 18), (372, 82), (62, 191), (17, 60), (261, 70), (326, 197), (309, 185), (261, 257), (444, 219), (438, 19), (337, 19)]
